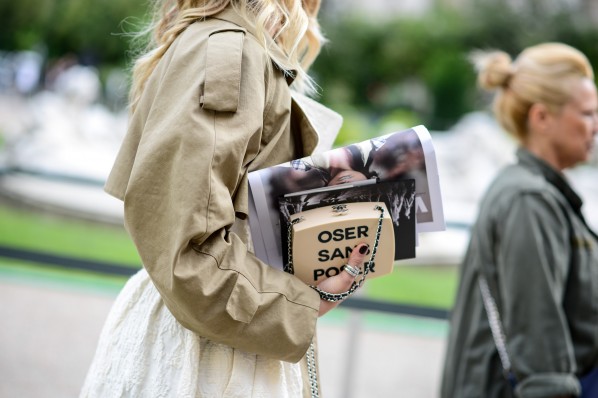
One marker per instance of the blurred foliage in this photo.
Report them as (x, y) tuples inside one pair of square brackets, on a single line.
[(420, 65), (91, 29), (379, 73)]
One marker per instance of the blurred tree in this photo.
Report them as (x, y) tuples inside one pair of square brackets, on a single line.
[(22, 23), (399, 65), (92, 29), (420, 65)]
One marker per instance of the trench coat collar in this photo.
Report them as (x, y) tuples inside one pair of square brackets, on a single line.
[(551, 175), (319, 125), (276, 53)]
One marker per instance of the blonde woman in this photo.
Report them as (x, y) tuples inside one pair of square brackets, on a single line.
[(210, 102), (525, 321)]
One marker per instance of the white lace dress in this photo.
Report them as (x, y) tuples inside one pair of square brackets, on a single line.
[(144, 352)]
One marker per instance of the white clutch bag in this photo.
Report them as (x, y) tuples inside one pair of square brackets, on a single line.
[(320, 240)]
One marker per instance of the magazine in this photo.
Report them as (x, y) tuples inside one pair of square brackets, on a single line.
[(402, 155)]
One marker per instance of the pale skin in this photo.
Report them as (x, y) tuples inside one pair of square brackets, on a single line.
[(342, 282), (566, 137)]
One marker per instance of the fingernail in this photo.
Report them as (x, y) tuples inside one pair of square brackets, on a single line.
[(363, 249)]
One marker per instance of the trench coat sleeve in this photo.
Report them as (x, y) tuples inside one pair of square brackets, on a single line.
[(183, 196), (532, 262)]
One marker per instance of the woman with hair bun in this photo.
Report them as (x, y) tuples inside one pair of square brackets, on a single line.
[(525, 320), (211, 101)]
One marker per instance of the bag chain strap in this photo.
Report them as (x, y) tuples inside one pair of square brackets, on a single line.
[(333, 297), (311, 355), (312, 371), (496, 328)]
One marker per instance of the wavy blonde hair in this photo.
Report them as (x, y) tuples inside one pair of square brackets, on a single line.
[(540, 74), (292, 24)]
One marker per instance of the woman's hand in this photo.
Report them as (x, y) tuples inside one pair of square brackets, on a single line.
[(342, 282)]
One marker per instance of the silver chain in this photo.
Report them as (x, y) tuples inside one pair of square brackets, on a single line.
[(288, 267), (312, 372), (333, 297), (496, 329)]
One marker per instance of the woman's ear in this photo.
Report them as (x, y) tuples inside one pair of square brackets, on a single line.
[(539, 117)]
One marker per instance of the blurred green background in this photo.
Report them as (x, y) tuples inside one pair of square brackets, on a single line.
[(377, 69)]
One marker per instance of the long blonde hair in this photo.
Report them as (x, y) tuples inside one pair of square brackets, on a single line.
[(291, 23), (540, 74)]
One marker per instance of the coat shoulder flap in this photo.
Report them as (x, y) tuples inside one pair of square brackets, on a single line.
[(224, 58)]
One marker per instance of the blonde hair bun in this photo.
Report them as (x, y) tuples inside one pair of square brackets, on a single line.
[(540, 74), (495, 69)]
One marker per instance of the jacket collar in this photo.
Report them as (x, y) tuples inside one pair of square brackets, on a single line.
[(277, 55), (557, 179), (319, 124)]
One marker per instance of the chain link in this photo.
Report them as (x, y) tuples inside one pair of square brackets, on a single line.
[(333, 297), (495, 324), (312, 371), (288, 267)]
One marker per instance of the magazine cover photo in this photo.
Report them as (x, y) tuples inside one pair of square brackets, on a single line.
[(360, 169)]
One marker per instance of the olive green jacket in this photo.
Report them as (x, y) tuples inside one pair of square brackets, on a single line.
[(215, 108), (541, 263)]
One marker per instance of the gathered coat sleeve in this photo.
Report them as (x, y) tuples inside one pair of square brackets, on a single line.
[(532, 265), (198, 128)]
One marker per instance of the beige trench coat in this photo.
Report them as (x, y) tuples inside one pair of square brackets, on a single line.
[(212, 111)]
